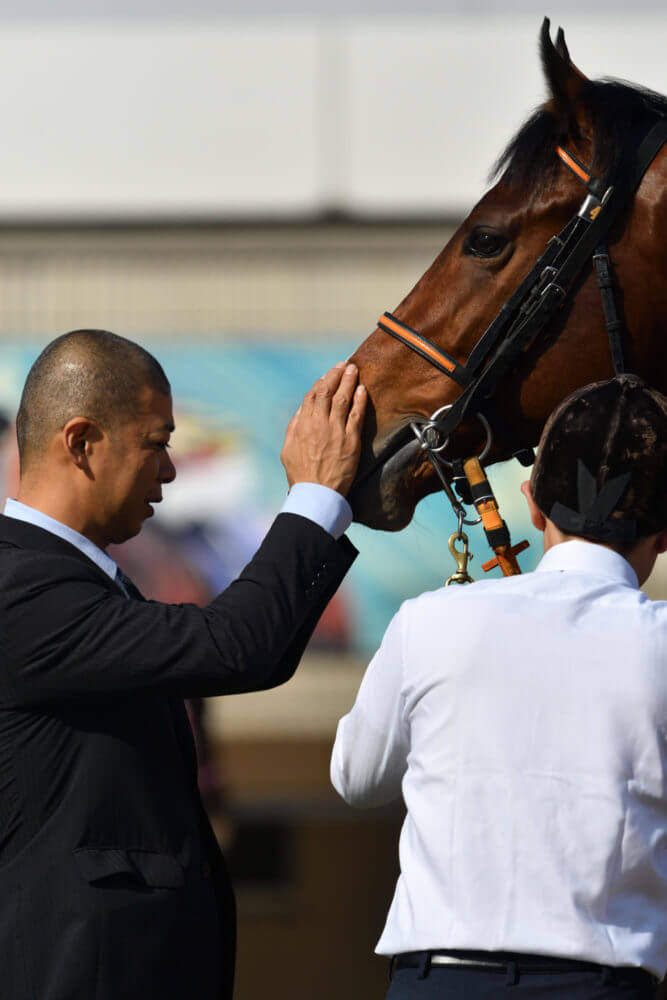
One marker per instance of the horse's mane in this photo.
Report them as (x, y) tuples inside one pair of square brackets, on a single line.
[(620, 113)]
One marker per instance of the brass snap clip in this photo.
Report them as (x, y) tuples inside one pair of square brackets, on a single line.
[(462, 557)]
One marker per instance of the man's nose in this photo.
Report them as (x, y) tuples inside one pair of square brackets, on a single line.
[(167, 469)]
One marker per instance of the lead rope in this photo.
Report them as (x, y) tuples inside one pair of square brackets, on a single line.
[(473, 488), (427, 436), (495, 528)]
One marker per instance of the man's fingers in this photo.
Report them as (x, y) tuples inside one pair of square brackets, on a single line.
[(320, 396), (340, 404), (335, 374), (357, 410), (323, 439)]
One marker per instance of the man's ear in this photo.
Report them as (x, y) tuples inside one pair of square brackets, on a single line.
[(661, 542), (78, 436), (536, 515)]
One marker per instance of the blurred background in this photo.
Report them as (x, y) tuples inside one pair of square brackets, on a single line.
[(243, 187)]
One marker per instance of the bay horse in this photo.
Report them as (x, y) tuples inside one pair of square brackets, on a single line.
[(585, 137)]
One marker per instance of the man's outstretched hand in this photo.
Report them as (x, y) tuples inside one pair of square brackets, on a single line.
[(323, 438)]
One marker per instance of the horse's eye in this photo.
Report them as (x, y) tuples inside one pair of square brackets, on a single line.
[(484, 243)]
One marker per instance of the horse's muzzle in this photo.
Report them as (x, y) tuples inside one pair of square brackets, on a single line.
[(382, 493)]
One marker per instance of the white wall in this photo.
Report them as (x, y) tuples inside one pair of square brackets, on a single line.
[(235, 117)]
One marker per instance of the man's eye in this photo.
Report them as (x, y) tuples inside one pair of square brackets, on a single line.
[(484, 243)]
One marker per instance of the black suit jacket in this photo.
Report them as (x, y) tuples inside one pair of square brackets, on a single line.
[(112, 886)]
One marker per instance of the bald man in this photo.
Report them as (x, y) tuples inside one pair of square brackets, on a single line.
[(112, 884)]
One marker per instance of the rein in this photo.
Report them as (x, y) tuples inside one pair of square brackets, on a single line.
[(520, 320)]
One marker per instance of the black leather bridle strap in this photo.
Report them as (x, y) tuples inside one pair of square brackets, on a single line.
[(649, 148), (542, 294), (545, 288), (646, 153), (612, 321), (463, 374), (508, 311)]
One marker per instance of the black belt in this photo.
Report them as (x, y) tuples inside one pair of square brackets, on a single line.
[(511, 962)]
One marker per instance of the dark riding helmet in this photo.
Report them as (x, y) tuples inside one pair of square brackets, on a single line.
[(601, 468)]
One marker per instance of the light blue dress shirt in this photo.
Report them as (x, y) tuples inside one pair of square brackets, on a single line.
[(320, 504), (22, 512)]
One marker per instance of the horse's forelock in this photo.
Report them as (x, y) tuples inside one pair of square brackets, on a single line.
[(528, 162)]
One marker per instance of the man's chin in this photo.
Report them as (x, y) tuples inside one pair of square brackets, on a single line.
[(123, 533)]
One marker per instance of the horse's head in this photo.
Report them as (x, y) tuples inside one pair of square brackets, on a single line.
[(484, 262)]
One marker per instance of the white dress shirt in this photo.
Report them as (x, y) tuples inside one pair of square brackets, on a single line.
[(525, 722)]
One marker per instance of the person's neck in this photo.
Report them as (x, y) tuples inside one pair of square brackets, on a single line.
[(58, 501), (641, 557)]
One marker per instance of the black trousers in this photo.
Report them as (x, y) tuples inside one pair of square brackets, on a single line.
[(449, 982)]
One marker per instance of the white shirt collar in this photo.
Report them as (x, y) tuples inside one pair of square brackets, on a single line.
[(22, 512), (579, 556)]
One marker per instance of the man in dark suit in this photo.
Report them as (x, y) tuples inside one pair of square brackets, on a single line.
[(112, 886)]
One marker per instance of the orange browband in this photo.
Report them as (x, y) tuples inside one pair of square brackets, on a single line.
[(423, 345), (574, 166)]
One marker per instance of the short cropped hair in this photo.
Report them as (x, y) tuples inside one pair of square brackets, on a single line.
[(84, 373), (601, 468)]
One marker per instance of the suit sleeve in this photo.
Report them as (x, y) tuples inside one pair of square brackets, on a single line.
[(67, 635)]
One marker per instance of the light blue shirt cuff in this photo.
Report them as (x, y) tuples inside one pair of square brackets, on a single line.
[(320, 504)]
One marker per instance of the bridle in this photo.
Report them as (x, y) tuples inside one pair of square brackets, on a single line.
[(521, 319)]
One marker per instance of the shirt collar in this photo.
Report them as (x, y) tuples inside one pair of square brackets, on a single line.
[(22, 512), (578, 556)]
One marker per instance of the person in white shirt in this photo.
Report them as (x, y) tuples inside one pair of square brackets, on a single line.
[(524, 722)]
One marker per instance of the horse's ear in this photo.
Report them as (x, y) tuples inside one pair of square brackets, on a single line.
[(566, 82), (561, 47)]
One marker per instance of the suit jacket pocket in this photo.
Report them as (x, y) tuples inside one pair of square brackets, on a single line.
[(122, 866)]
